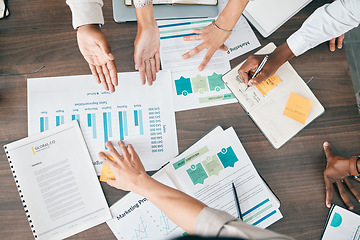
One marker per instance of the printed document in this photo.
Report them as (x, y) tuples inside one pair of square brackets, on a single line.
[(138, 114), (57, 182)]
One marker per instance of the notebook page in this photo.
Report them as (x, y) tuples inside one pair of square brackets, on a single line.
[(58, 183), (277, 127)]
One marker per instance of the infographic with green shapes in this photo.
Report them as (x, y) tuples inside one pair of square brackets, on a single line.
[(227, 157), (183, 86), (209, 176), (197, 173), (212, 165), (200, 84), (215, 82)]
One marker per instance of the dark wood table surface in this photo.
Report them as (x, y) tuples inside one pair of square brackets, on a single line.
[(39, 33)]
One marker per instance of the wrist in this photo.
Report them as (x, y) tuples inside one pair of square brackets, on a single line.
[(354, 166), (142, 184), (282, 54), (145, 17), (89, 26)]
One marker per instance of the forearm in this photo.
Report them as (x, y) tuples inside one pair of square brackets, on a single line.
[(145, 16), (231, 14), (281, 54), (327, 22), (182, 209)]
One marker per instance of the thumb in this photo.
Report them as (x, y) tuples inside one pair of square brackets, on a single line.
[(105, 48), (111, 182), (223, 47), (328, 150), (138, 60)]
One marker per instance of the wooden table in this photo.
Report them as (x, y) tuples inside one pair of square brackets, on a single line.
[(39, 33)]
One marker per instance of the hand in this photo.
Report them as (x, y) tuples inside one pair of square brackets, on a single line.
[(337, 171), (212, 39), (339, 43), (147, 45), (127, 167), (275, 60), (96, 51)]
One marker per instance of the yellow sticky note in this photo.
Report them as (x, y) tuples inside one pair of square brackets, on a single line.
[(297, 108), (265, 86), (106, 173)]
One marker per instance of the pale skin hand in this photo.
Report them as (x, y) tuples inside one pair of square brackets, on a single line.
[(147, 45), (96, 50), (213, 38), (337, 171), (130, 175)]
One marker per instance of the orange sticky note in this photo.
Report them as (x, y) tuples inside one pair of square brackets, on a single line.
[(265, 86), (297, 108), (106, 173)]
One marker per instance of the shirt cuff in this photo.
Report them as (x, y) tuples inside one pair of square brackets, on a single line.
[(141, 3), (84, 13), (210, 221), (297, 44)]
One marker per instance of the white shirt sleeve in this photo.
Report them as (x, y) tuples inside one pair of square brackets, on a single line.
[(90, 11), (327, 22), (86, 12)]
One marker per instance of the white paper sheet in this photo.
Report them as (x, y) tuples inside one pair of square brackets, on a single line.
[(206, 173), (141, 115), (57, 183), (192, 89), (134, 217), (242, 39), (342, 224)]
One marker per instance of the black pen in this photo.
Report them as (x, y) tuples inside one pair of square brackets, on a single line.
[(237, 204), (258, 69)]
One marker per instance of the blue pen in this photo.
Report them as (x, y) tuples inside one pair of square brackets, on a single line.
[(237, 204), (258, 69)]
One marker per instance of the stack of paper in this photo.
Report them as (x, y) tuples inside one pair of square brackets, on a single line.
[(205, 171)]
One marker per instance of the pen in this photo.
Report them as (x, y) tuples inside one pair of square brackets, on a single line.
[(237, 204), (258, 69)]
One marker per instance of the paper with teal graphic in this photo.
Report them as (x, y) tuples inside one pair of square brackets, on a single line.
[(207, 171), (342, 224), (197, 173), (192, 88)]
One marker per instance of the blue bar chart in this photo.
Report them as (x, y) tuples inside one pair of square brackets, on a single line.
[(60, 120), (91, 122), (138, 118), (123, 125), (44, 124), (107, 126), (75, 117), (105, 116)]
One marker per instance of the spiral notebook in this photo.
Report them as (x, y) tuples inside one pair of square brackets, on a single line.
[(57, 182)]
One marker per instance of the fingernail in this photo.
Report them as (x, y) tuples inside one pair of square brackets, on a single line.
[(183, 57), (326, 144), (351, 208), (200, 68), (328, 205), (339, 47), (111, 56)]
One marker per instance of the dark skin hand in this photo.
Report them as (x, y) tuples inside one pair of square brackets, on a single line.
[(337, 172), (275, 60)]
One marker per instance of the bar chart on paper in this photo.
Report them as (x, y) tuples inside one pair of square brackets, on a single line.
[(131, 114)]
